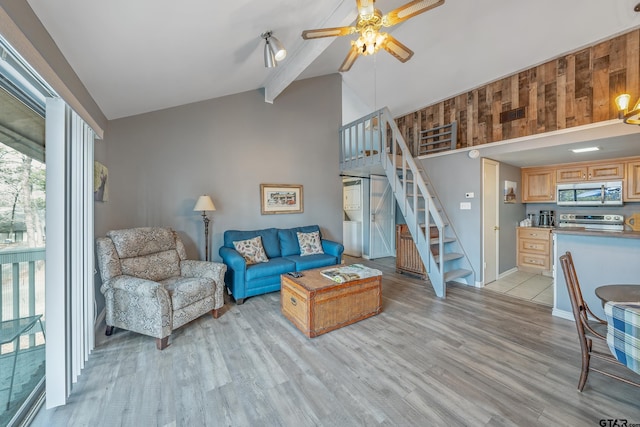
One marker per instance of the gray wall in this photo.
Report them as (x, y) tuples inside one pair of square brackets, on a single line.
[(452, 176), (455, 174), (160, 162), (510, 216)]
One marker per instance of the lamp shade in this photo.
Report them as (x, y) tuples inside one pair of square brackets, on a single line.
[(622, 102), (279, 52), (269, 57), (204, 203)]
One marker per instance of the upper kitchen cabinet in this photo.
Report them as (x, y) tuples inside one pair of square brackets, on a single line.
[(632, 192), (538, 185), (590, 172)]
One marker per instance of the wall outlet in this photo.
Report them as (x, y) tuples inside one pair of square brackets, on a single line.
[(469, 195), (465, 206)]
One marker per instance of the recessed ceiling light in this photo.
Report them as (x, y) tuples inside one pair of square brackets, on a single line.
[(585, 150)]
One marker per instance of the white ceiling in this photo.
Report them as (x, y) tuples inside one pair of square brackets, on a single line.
[(145, 55)]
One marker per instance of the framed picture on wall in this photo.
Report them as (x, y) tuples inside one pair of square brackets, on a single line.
[(510, 191), (281, 199)]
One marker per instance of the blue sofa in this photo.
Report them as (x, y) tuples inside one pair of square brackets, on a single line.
[(283, 251)]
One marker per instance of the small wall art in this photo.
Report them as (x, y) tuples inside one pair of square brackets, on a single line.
[(280, 199), (510, 191), (100, 182)]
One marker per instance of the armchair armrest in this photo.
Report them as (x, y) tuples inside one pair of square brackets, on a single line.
[(138, 305), (134, 285), (206, 269), (332, 248)]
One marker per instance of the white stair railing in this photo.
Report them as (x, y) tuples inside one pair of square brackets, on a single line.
[(376, 140)]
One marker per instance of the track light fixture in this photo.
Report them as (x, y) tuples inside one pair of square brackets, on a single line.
[(274, 51)]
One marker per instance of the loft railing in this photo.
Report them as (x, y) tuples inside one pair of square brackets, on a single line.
[(22, 288), (361, 142), (438, 139)]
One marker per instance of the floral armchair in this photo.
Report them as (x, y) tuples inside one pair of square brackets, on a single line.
[(149, 285)]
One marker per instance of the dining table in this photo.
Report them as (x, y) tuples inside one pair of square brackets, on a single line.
[(618, 293)]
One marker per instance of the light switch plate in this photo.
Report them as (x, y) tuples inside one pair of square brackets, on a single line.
[(465, 206)]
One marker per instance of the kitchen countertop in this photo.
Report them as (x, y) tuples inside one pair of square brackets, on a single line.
[(598, 233)]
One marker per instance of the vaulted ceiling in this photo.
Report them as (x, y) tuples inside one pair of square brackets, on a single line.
[(145, 55)]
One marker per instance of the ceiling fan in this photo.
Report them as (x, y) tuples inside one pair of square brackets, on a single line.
[(370, 20)]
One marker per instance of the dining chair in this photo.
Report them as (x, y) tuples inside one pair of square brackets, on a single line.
[(590, 327)]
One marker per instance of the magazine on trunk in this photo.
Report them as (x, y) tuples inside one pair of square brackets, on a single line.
[(347, 273)]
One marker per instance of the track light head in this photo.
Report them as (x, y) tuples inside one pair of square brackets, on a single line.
[(274, 51)]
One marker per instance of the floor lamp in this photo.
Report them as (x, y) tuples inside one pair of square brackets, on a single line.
[(205, 204)]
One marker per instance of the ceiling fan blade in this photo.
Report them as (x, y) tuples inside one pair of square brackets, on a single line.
[(365, 7), (350, 59), (409, 10), (327, 32), (397, 49)]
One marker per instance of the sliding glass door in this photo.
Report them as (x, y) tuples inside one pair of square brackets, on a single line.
[(22, 238)]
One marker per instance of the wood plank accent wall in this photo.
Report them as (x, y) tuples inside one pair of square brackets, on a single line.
[(572, 90)]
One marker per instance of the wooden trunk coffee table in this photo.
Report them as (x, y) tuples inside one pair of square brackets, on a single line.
[(317, 305)]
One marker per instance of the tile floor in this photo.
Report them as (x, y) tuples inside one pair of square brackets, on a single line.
[(529, 286)]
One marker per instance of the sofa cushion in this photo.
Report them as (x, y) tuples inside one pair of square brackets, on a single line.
[(309, 243), (140, 241), (274, 267), (269, 236), (251, 250), (155, 267), (185, 291), (312, 261), (289, 239)]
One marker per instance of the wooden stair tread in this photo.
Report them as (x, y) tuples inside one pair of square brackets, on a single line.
[(435, 241), (450, 256), (456, 274)]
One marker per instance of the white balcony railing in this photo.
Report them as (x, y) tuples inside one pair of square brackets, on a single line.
[(22, 289)]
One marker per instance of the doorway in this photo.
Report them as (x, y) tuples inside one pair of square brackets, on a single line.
[(490, 221), (382, 218)]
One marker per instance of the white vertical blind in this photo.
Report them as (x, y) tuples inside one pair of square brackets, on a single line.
[(70, 259)]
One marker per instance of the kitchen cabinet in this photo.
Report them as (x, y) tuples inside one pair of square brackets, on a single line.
[(571, 174), (534, 249), (632, 183), (605, 171), (591, 172), (538, 185)]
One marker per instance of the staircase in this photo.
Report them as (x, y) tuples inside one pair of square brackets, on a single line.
[(376, 138)]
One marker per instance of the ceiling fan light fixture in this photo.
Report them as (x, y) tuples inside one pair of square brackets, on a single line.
[(274, 50), (368, 25)]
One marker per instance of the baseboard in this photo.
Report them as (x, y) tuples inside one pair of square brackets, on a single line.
[(563, 314), (479, 284), (508, 272)]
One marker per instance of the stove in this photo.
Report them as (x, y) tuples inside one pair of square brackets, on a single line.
[(605, 222)]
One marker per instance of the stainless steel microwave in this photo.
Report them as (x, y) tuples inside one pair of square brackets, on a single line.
[(590, 194)]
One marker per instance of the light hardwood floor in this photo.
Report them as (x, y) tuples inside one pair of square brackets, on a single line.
[(475, 358)]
